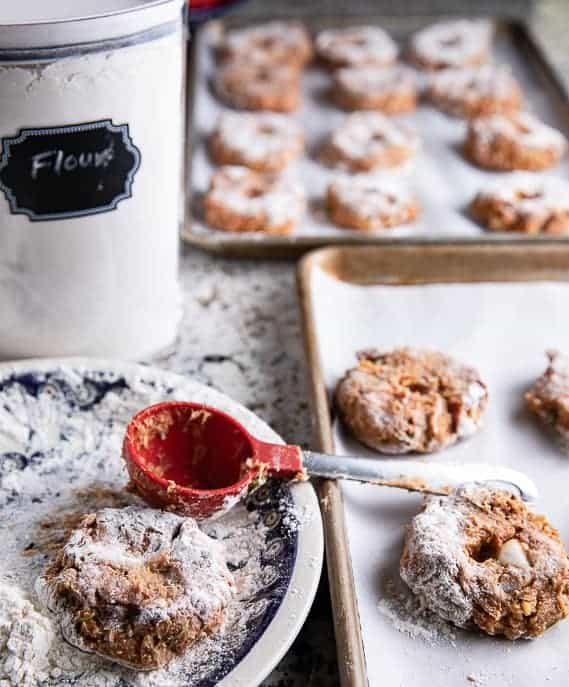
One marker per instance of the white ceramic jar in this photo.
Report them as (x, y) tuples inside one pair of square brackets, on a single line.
[(92, 97)]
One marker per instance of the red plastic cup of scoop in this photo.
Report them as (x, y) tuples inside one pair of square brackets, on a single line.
[(197, 460)]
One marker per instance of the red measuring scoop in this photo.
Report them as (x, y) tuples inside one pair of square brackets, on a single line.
[(199, 461)]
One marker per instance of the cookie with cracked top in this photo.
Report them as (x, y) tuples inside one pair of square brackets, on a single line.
[(410, 400)]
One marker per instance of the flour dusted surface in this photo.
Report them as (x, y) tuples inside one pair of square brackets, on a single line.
[(83, 414), (26, 637)]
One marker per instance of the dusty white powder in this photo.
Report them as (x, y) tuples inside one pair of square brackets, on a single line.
[(474, 82), (409, 615), (454, 43), (522, 128), (366, 134), (104, 284), (357, 45), (126, 538), (244, 538), (257, 136), (26, 637), (84, 474), (371, 195), (282, 199), (529, 193)]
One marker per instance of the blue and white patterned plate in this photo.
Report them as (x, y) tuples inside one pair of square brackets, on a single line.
[(61, 428)]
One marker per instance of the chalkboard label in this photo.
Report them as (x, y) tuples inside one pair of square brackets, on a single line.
[(68, 171)]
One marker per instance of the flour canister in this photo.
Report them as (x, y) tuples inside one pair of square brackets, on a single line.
[(91, 176)]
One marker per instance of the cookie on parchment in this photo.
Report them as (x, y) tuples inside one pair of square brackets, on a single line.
[(513, 141), (548, 399), (369, 140), (356, 46), (453, 43), (263, 141), (524, 203), (257, 86), (242, 200), (481, 559), (409, 400), (475, 91), (392, 90), (367, 202), (272, 43)]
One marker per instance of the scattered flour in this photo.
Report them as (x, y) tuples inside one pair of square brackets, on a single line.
[(25, 639), (42, 492), (409, 615)]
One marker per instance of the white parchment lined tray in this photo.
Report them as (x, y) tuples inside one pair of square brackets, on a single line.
[(503, 330), (442, 179)]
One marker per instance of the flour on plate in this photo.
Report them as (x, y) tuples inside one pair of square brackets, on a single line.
[(60, 458)]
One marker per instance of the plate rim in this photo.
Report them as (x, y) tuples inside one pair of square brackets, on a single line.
[(287, 622)]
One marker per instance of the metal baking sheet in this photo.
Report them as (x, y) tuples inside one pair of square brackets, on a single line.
[(441, 178), (497, 307)]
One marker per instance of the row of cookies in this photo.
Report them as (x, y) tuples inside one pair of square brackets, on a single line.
[(415, 401), (260, 65)]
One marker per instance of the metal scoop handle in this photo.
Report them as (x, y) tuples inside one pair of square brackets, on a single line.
[(413, 475)]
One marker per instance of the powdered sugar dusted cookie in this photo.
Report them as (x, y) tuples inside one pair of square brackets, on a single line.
[(364, 201), (240, 199), (476, 91), (356, 46), (455, 43), (258, 86), (265, 141), (137, 586), (276, 42), (367, 140), (408, 400), (481, 559), (527, 203), (388, 89), (513, 141), (549, 396)]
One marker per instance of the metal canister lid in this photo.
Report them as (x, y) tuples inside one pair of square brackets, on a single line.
[(36, 24)]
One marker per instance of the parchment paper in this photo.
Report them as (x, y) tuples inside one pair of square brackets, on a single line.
[(502, 329), (442, 179)]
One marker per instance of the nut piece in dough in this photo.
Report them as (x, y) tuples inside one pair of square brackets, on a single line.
[(549, 396), (512, 553), (408, 400), (137, 586), (480, 559)]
